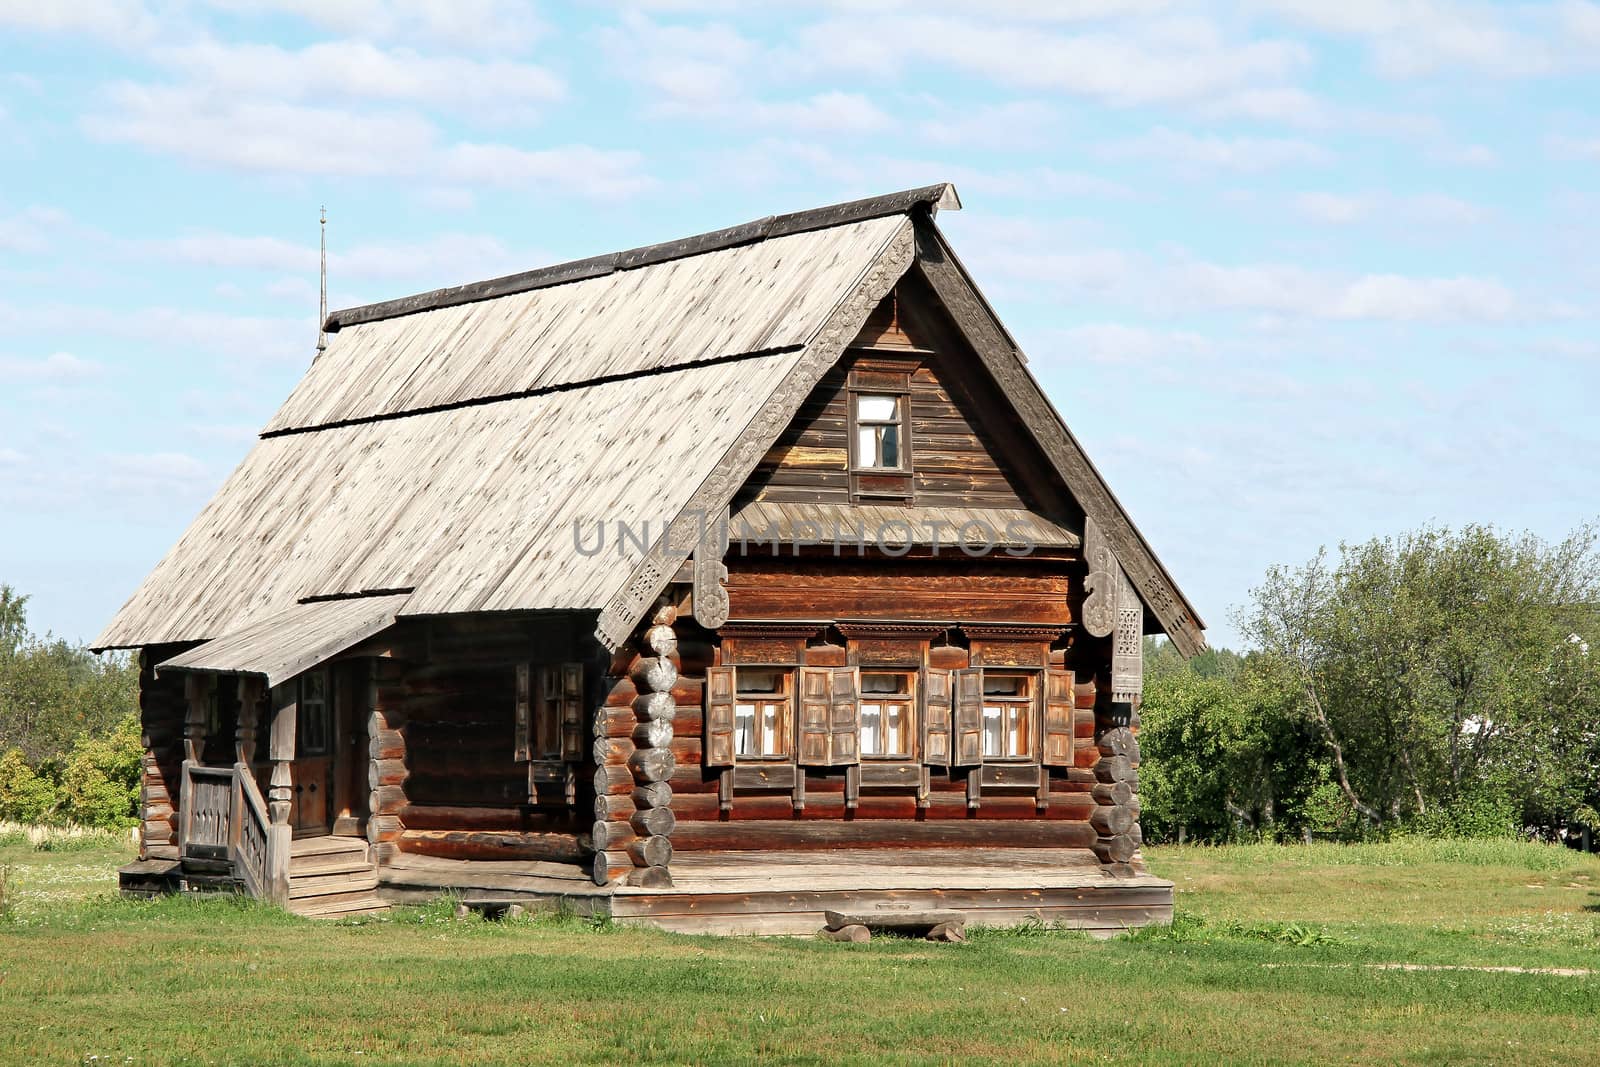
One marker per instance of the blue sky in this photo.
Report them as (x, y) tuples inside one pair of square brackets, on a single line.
[(1295, 272)]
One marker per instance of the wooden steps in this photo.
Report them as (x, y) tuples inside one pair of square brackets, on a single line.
[(331, 877)]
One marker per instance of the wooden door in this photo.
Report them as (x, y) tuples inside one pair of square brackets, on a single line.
[(315, 761)]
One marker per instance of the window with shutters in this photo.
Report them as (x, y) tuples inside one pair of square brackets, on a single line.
[(761, 713), (1008, 702), (887, 700)]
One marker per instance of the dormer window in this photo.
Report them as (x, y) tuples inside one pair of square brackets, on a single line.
[(879, 421)]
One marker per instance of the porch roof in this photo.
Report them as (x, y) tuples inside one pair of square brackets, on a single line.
[(285, 643)]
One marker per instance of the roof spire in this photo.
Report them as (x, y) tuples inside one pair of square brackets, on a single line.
[(322, 306)]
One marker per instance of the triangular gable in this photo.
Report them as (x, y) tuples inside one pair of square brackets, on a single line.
[(1004, 363)]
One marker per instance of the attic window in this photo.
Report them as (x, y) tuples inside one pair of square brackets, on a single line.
[(878, 440)]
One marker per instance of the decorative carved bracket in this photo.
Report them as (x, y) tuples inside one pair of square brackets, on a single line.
[(711, 574), (1100, 601)]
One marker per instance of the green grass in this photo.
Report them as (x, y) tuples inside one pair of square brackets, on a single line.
[(1279, 955)]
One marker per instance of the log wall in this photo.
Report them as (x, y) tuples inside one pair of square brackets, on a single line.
[(955, 460), (161, 715)]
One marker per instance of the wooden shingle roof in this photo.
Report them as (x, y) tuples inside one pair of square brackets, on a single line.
[(448, 446)]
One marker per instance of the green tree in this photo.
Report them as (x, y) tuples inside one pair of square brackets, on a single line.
[(1440, 667)]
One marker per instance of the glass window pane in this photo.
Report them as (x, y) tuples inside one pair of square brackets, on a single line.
[(1004, 685), (872, 729), (993, 729), (883, 683), (1019, 731), (890, 437), (760, 681), (895, 735), (744, 729), (771, 727), (866, 446), (876, 408)]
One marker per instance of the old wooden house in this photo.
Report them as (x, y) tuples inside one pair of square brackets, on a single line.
[(712, 584)]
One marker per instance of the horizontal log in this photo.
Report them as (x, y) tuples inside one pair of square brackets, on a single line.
[(652, 764), (612, 750), (881, 833), (492, 845), (1119, 849), (1119, 742), (650, 851), (613, 780), (653, 734), (660, 640), (653, 821), (381, 772), (653, 795), (386, 744), (611, 834), (1111, 820), (650, 878), (416, 816), (384, 828), (655, 708), (654, 674), (386, 799), (688, 692), (1111, 769), (608, 867), (1113, 793)]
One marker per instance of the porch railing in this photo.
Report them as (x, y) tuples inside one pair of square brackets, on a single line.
[(224, 818)]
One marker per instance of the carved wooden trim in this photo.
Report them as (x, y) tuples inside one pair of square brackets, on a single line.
[(1127, 646), (625, 608), (1100, 587), (977, 631), (1005, 364), (711, 574)]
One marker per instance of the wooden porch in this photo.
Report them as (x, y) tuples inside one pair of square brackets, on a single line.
[(787, 892)]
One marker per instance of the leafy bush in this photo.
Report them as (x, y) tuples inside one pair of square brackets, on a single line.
[(1484, 813), (25, 796), (100, 779)]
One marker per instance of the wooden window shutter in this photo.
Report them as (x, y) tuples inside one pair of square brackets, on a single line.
[(721, 685), (968, 750), (572, 712), (1058, 716), (816, 709), (524, 712), (846, 725), (935, 717)]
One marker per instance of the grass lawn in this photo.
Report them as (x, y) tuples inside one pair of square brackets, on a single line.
[(1279, 955)]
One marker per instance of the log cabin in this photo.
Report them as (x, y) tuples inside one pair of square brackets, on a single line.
[(713, 584)]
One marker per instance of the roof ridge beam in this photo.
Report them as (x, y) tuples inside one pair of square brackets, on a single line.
[(929, 198)]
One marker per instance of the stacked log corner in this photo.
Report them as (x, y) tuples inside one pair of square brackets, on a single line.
[(1116, 792), (386, 762), (634, 759), (161, 721)]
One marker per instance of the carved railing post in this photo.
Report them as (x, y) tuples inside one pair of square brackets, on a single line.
[(280, 836)]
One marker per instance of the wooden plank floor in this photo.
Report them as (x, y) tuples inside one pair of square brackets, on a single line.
[(787, 892)]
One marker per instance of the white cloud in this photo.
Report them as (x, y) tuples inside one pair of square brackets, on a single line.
[(359, 70), (1409, 38), (1285, 104), (475, 25), (831, 112), (195, 124), (234, 339), (1333, 208), (118, 21), (1008, 125), (1147, 62), (1567, 147), (1432, 209), (58, 368), (267, 137), (602, 174), (32, 230), (446, 255), (1186, 149), (1113, 342), (1466, 155)]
